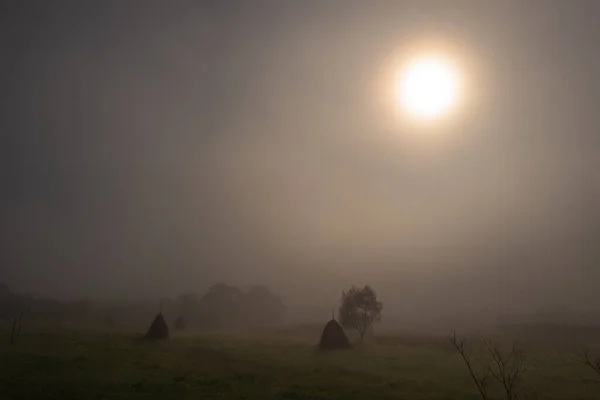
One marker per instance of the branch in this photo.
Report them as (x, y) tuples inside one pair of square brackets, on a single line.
[(594, 364), (508, 369), (480, 382)]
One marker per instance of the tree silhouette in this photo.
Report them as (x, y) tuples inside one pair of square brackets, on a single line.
[(359, 309), (261, 307), (506, 368)]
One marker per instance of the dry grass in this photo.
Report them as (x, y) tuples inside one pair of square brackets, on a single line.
[(92, 365)]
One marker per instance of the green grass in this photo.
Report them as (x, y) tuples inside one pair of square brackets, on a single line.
[(92, 365)]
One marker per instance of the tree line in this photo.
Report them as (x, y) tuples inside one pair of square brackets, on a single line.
[(221, 306)]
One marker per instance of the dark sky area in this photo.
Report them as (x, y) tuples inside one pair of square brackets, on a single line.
[(161, 146)]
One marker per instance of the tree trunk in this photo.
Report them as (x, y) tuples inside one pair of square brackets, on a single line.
[(20, 324), (12, 335)]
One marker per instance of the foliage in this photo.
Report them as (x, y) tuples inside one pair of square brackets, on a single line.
[(222, 306), (228, 306), (359, 309), (261, 307)]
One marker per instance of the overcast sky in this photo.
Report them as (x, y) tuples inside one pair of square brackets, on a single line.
[(161, 146)]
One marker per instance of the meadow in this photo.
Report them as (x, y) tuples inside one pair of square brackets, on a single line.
[(71, 363)]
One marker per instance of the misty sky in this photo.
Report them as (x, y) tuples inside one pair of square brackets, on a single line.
[(161, 146)]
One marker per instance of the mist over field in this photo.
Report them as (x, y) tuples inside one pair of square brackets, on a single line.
[(151, 150), (299, 199)]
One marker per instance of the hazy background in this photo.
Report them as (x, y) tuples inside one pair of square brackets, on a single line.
[(154, 148)]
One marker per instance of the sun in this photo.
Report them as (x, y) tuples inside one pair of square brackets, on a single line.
[(428, 87)]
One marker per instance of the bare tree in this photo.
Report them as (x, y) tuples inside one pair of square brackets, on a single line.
[(12, 334), (506, 370), (20, 325), (16, 328), (591, 362), (479, 381)]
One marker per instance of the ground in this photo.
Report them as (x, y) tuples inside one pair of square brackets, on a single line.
[(74, 364)]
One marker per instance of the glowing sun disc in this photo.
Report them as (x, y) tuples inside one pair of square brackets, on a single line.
[(428, 87)]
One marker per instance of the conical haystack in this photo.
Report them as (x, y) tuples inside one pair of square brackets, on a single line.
[(333, 337), (158, 329), (179, 324)]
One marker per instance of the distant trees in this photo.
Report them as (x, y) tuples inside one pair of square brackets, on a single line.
[(261, 307), (221, 306), (12, 304), (359, 309), (225, 305)]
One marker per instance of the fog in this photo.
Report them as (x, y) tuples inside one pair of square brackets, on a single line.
[(155, 148)]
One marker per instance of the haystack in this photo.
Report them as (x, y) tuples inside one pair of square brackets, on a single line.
[(179, 324), (158, 329), (333, 337)]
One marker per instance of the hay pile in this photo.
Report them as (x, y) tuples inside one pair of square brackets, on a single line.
[(158, 329), (333, 337)]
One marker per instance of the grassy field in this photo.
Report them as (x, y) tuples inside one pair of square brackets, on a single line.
[(72, 364)]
